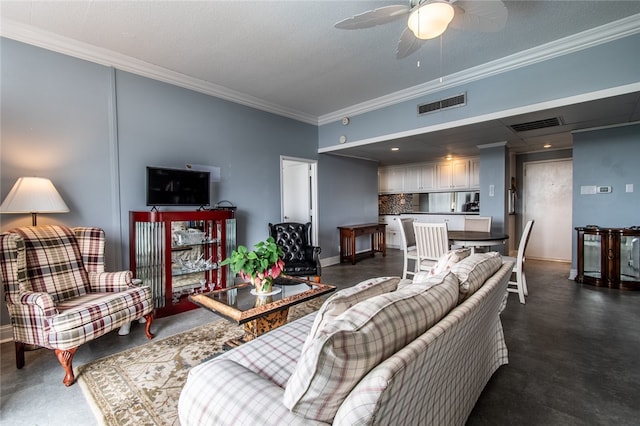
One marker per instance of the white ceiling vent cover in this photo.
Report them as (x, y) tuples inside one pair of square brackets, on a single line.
[(455, 101)]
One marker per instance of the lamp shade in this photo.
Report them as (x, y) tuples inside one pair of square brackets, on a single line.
[(33, 195), (430, 19)]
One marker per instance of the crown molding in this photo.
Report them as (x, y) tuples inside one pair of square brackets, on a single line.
[(584, 40), (57, 43), (606, 33)]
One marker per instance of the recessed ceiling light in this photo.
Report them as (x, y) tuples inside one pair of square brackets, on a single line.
[(448, 157), (546, 145), (395, 148)]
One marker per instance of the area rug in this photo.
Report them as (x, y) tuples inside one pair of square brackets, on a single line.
[(142, 385)]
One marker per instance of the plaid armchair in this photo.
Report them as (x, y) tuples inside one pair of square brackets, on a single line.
[(58, 294)]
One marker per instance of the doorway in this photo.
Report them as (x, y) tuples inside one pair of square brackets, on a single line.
[(548, 200), (299, 181)]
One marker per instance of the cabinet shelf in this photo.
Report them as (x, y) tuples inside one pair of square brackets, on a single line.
[(164, 266)]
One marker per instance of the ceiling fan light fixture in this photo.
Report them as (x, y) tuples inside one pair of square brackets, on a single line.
[(430, 19)]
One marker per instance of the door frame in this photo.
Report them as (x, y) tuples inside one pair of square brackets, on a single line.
[(313, 207)]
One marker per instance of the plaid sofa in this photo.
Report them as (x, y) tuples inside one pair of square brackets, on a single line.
[(399, 373), (58, 294)]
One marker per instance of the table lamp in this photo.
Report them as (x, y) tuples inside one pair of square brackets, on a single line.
[(33, 195)]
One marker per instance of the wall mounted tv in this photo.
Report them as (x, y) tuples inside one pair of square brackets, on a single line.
[(176, 187)]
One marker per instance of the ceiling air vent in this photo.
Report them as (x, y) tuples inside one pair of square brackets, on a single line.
[(538, 124), (455, 101)]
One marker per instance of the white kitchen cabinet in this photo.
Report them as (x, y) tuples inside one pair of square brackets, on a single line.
[(419, 178), (455, 222), (452, 174), (390, 179), (392, 231), (474, 173)]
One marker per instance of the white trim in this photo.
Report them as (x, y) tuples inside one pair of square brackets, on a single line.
[(606, 33), (492, 145), (555, 103), (6, 333), (611, 126)]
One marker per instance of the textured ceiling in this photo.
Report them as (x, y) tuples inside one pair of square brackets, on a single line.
[(286, 56)]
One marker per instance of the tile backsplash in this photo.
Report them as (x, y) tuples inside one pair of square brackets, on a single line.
[(395, 203)]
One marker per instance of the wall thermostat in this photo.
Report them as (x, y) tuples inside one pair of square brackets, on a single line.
[(345, 121), (603, 189)]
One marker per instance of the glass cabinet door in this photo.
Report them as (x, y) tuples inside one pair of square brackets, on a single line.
[(630, 258), (592, 256)]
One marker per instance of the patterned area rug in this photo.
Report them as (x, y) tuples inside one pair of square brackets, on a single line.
[(141, 386)]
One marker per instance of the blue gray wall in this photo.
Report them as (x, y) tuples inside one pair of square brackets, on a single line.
[(493, 173), (93, 130), (607, 157)]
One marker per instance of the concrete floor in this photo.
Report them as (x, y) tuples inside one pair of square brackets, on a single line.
[(573, 354)]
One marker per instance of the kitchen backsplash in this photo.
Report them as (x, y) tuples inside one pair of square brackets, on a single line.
[(395, 203)]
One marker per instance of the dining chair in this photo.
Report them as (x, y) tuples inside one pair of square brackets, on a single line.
[(408, 246), (520, 284), (477, 223), (432, 241)]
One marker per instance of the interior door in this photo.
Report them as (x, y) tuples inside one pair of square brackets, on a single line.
[(548, 200), (299, 188)]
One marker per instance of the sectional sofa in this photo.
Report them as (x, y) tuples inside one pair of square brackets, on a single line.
[(386, 351)]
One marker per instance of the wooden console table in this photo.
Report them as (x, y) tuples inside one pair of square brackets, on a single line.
[(348, 235)]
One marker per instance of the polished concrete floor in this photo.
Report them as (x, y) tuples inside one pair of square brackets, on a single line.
[(573, 356)]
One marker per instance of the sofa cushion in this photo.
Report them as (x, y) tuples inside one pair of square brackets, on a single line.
[(474, 270), (348, 347), (346, 298)]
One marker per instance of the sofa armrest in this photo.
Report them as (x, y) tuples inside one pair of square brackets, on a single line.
[(223, 392), (44, 301), (107, 282)]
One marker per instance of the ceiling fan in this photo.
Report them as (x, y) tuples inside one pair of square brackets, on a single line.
[(429, 18)]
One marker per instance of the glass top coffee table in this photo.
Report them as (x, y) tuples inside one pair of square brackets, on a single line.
[(260, 314)]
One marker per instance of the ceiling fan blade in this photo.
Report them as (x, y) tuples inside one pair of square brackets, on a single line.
[(374, 17), (481, 16), (408, 44)]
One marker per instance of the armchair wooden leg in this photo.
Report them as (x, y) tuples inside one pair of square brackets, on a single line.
[(65, 357), (19, 354), (147, 329)]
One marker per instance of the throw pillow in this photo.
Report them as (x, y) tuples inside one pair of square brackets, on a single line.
[(342, 300), (473, 271), (446, 261), (352, 344)]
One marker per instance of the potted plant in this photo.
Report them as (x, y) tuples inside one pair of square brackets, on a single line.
[(259, 266)]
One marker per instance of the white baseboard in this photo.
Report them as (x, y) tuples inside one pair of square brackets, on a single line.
[(6, 334), (328, 261)]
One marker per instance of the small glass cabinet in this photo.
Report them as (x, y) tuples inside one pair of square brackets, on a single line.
[(609, 257), (177, 254)]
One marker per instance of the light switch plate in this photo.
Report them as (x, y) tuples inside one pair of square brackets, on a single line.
[(492, 190), (629, 187)]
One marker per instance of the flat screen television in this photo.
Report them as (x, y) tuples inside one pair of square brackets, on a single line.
[(176, 187)]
